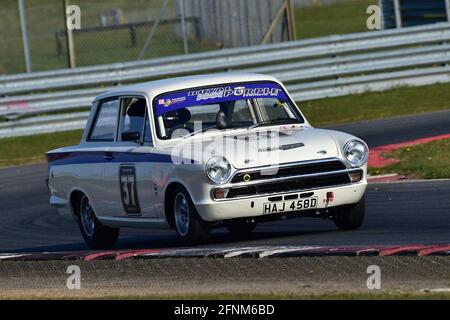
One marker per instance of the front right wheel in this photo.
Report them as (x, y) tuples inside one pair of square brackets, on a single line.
[(350, 217), (189, 225)]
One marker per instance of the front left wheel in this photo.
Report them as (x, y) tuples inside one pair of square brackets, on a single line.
[(94, 233), (189, 225), (350, 217)]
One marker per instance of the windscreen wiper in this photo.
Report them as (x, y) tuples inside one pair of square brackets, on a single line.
[(279, 121), (200, 131)]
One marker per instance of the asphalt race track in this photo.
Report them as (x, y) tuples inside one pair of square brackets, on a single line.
[(399, 129), (399, 213)]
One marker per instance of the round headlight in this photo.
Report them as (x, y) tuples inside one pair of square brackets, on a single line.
[(218, 169), (356, 152)]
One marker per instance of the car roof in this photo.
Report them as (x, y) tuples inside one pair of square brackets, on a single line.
[(152, 89)]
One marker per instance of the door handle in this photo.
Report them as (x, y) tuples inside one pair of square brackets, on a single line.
[(108, 156)]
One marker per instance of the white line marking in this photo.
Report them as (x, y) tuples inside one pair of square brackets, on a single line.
[(272, 252), (10, 256), (413, 181), (388, 175), (230, 253), (437, 290)]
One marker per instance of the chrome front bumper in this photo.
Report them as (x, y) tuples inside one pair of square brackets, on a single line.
[(254, 206), (300, 176), (316, 178)]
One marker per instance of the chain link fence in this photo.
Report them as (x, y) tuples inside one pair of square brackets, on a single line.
[(126, 30), (138, 29), (11, 50), (111, 31)]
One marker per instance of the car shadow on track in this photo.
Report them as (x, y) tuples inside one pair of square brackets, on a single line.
[(219, 238)]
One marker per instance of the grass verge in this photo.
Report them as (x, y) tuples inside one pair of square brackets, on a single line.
[(377, 105), (338, 18), (32, 149), (426, 161)]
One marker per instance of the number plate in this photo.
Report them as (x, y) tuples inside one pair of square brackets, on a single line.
[(291, 205)]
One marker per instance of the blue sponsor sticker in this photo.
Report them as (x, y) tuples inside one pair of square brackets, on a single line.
[(232, 92)]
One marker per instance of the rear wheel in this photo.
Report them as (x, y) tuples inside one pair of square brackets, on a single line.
[(350, 217), (94, 233), (240, 228), (189, 225)]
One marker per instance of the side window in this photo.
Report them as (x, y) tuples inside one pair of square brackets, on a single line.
[(105, 123), (132, 116)]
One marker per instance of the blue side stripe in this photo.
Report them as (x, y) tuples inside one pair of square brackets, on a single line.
[(85, 157)]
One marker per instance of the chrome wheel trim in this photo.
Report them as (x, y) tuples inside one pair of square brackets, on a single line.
[(181, 209), (87, 217)]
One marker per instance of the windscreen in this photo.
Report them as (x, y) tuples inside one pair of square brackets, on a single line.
[(223, 107)]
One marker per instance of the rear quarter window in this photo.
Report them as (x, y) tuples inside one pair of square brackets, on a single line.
[(104, 128)]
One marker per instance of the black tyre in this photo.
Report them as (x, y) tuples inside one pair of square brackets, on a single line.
[(189, 225), (94, 233), (240, 228), (350, 217)]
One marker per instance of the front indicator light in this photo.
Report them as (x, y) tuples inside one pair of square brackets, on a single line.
[(220, 193), (355, 176)]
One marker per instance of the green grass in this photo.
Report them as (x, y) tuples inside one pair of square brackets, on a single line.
[(376, 105), (339, 18), (426, 161), (32, 149)]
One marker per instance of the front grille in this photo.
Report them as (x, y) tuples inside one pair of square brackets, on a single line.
[(283, 172), (306, 183)]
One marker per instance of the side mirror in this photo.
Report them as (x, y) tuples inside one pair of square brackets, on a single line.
[(131, 136)]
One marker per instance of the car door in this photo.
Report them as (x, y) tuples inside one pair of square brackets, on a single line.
[(128, 173), (94, 154)]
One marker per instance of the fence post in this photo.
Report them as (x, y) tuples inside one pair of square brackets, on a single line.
[(153, 30), (183, 27), (133, 38), (447, 9), (292, 33), (274, 22), (59, 45), (380, 4), (23, 26), (69, 38), (398, 14)]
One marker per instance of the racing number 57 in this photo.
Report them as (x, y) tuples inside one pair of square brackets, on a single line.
[(128, 189)]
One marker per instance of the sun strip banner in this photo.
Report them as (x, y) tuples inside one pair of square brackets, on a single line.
[(232, 92)]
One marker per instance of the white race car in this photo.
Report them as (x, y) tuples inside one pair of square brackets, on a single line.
[(200, 152)]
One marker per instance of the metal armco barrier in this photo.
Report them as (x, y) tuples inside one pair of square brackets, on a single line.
[(312, 69)]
